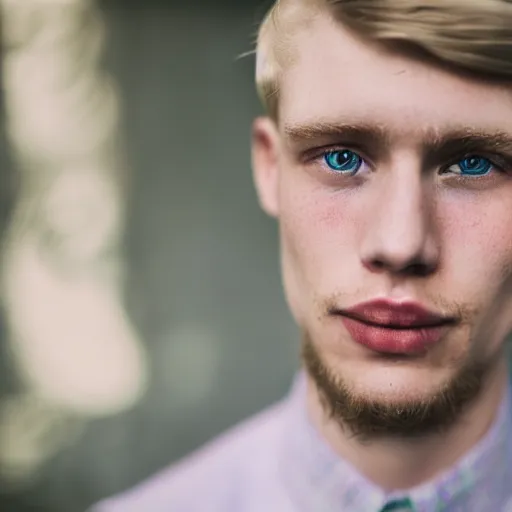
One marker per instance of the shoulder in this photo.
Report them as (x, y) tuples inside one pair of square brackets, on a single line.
[(215, 476)]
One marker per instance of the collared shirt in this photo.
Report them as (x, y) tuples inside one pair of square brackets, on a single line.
[(277, 461)]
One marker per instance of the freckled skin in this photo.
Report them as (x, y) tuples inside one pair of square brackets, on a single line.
[(333, 230)]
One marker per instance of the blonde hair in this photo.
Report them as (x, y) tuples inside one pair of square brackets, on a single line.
[(468, 35)]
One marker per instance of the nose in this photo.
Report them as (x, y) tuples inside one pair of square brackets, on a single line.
[(400, 235)]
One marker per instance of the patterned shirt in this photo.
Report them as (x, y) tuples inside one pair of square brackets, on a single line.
[(278, 462)]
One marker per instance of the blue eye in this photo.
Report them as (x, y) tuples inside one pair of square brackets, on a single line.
[(343, 161), (473, 165)]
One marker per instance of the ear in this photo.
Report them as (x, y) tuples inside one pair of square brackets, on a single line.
[(265, 155)]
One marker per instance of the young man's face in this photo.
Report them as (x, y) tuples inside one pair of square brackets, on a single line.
[(407, 201)]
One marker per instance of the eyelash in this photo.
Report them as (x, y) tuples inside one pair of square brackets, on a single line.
[(499, 163), (493, 160), (318, 155)]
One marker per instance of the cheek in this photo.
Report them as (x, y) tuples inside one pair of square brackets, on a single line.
[(477, 240), (477, 259), (317, 231)]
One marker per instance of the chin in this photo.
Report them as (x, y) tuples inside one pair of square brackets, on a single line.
[(394, 383), (389, 397)]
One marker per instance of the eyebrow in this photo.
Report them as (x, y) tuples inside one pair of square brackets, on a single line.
[(319, 130), (468, 140), (436, 144)]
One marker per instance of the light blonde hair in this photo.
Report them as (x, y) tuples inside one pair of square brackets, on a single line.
[(468, 35)]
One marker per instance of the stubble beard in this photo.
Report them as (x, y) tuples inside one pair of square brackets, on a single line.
[(370, 419)]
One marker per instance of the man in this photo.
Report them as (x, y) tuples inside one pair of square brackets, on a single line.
[(386, 158)]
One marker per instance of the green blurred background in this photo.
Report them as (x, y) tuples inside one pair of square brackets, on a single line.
[(204, 288)]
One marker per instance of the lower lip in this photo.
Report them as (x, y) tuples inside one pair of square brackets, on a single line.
[(394, 341)]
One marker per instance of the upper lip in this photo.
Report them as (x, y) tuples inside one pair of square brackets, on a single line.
[(397, 314)]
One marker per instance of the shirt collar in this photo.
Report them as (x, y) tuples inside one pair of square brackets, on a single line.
[(318, 479)]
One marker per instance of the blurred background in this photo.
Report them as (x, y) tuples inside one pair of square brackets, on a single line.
[(142, 311)]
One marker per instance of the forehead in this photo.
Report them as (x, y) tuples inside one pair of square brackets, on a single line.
[(337, 76)]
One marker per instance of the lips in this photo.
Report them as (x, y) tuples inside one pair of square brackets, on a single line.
[(395, 327), (399, 315)]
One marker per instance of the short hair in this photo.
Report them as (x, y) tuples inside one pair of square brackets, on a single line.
[(468, 35)]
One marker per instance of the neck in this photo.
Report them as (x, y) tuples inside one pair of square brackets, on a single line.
[(393, 464)]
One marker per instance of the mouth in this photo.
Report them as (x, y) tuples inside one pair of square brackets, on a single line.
[(396, 315), (392, 327), (399, 325)]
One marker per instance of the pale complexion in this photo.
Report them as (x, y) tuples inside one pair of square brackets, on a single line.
[(407, 202)]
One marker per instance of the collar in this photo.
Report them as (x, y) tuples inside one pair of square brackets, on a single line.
[(318, 479)]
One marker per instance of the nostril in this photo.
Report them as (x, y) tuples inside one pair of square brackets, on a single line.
[(378, 264), (419, 269), (412, 268), (375, 265)]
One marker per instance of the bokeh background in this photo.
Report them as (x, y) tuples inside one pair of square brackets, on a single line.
[(142, 309)]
